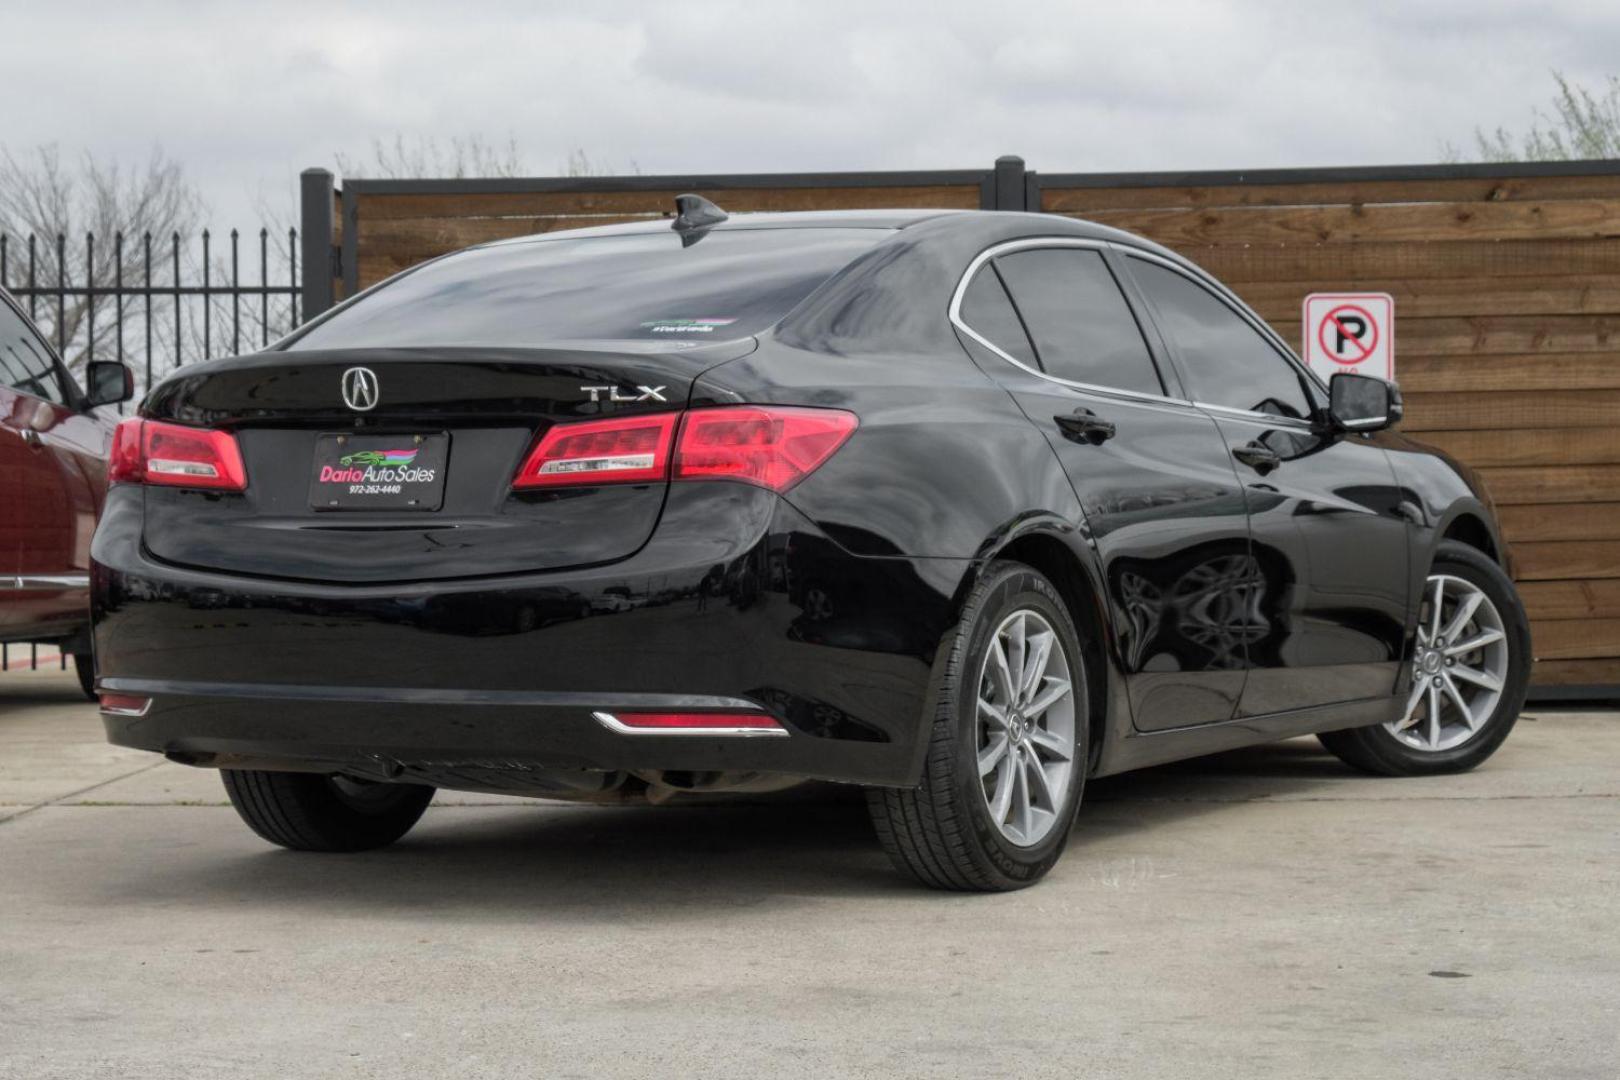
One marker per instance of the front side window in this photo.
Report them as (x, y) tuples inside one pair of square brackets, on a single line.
[(636, 286), (25, 363), (1225, 361), (1079, 320)]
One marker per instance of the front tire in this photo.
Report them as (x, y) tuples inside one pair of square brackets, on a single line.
[(1006, 758), (311, 812), (1470, 672)]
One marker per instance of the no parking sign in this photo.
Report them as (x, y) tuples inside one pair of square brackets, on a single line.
[(1350, 332)]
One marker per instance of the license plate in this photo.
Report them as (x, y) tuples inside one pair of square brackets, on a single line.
[(379, 472)]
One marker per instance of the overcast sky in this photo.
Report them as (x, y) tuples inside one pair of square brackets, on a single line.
[(246, 95)]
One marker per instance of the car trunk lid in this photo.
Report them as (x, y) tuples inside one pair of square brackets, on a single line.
[(411, 478)]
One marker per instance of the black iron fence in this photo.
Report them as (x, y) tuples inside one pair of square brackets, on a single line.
[(155, 303), (152, 302)]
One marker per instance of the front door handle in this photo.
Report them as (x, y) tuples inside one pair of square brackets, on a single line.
[(1083, 425), (1257, 456)]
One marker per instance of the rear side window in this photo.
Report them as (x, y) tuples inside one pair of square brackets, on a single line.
[(25, 364), (1081, 325), (1224, 360), (987, 310), (639, 286)]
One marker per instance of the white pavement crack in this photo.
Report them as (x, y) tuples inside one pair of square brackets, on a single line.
[(7, 815)]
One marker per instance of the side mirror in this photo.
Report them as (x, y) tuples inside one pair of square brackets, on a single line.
[(1363, 402), (108, 382)]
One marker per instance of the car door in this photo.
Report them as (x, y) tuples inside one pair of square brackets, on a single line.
[(1324, 506), (1161, 501), (52, 453)]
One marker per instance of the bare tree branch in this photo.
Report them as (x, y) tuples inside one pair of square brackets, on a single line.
[(463, 156), (62, 207), (91, 222), (425, 156)]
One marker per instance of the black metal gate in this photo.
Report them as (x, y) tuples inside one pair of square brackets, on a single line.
[(155, 303)]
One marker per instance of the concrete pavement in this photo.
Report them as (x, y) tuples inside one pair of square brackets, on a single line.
[(1261, 913)]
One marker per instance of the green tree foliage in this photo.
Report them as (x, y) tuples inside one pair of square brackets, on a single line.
[(1581, 124)]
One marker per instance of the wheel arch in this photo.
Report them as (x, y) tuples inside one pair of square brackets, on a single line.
[(1053, 547), (1469, 521), (1468, 527)]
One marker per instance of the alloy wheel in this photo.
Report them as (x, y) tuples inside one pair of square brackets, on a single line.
[(1459, 666), (1025, 727)]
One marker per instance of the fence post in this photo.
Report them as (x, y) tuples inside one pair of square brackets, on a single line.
[(315, 240), (1007, 184)]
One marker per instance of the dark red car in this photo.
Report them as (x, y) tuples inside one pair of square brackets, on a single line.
[(53, 477)]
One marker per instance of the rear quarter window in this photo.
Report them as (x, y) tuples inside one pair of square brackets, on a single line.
[(637, 286), (988, 311), (1078, 318)]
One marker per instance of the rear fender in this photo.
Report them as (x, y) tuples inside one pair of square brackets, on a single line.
[(1051, 544)]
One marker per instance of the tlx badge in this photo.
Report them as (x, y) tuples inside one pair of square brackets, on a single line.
[(613, 393)]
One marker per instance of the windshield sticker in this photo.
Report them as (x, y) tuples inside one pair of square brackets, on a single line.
[(684, 326)]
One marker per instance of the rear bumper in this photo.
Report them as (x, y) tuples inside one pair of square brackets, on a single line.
[(737, 600), (502, 741)]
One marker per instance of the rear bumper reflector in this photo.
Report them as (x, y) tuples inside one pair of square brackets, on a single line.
[(690, 723), (125, 704)]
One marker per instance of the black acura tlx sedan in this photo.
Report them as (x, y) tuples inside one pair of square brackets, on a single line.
[(961, 507)]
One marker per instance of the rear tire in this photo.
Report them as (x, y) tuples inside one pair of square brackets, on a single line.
[(311, 812), (972, 826), (84, 665), (1409, 747)]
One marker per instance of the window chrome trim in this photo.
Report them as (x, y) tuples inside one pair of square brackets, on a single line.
[(1274, 419), (1271, 337), (955, 314)]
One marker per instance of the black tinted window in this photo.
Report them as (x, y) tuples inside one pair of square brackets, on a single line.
[(643, 286), (987, 310), (1081, 325), (1225, 360), (24, 362)]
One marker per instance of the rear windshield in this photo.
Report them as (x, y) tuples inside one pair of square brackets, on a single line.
[(642, 286)]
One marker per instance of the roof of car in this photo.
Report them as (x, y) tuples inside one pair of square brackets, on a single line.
[(997, 220), (808, 219)]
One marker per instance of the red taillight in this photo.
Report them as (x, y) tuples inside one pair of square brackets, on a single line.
[(769, 446), (690, 723), (624, 450), (153, 452), (125, 464), (774, 447)]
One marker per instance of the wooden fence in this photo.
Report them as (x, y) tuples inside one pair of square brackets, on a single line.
[(384, 226), (1506, 281)]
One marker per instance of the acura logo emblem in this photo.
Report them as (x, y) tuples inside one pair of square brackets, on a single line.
[(360, 389)]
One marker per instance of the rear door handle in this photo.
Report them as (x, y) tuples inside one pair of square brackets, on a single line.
[(1083, 425), (1257, 456)]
